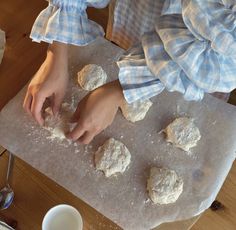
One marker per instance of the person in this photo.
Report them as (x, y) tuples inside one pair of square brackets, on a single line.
[(188, 46)]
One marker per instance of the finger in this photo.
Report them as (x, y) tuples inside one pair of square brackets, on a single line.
[(36, 108), (75, 116), (56, 104), (76, 133), (27, 102), (87, 137)]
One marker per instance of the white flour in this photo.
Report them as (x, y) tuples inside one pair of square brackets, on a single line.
[(60, 125)]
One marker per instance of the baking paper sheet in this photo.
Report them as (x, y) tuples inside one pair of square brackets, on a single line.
[(123, 198)]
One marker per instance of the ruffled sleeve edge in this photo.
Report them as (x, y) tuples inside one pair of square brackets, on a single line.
[(65, 26)]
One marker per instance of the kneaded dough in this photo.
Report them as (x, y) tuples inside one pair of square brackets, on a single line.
[(58, 126), (135, 111), (183, 133), (112, 157), (91, 77), (164, 186)]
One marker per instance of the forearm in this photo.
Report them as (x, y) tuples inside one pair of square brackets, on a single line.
[(58, 50), (116, 91)]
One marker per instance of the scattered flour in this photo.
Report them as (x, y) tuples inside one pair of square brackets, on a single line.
[(135, 111), (58, 126), (164, 186), (112, 157), (183, 133), (91, 77)]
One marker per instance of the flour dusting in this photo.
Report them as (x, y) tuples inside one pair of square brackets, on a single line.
[(59, 125)]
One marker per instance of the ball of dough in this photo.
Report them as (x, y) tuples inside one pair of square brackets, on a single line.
[(91, 77), (60, 124), (112, 157), (183, 133), (135, 111), (164, 186)]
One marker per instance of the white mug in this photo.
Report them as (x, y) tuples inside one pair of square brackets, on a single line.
[(62, 217)]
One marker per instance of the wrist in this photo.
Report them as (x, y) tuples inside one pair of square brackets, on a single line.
[(117, 91), (58, 52)]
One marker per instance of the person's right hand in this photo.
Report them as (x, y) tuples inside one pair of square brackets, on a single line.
[(49, 82)]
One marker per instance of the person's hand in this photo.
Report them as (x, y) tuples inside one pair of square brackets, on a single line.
[(96, 111), (49, 82)]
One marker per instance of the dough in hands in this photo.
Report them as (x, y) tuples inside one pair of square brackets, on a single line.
[(112, 157), (164, 186), (183, 133), (135, 111), (91, 77), (59, 125)]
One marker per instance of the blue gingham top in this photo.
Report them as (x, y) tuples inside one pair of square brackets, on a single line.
[(187, 46)]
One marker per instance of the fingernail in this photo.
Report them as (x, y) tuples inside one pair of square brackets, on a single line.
[(68, 135)]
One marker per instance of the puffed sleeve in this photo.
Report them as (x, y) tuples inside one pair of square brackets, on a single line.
[(66, 21), (193, 52)]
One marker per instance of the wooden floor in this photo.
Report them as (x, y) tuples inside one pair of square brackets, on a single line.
[(34, 192)]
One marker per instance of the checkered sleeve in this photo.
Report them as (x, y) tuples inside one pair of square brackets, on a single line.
[(191, 53), (172, 7), (136, 79), (66, 21)]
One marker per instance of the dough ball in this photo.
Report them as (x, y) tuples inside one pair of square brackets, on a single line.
[(60, 124), (91, 77), (112, 157), (135, 111), (183, 133), (164, 186)]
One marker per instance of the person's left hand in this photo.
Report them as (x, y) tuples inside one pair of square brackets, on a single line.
[(96, 111)]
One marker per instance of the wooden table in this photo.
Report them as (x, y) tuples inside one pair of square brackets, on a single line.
[(34, 192)]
